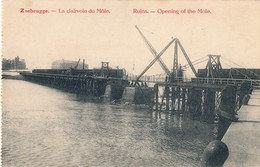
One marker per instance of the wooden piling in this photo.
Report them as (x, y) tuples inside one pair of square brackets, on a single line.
[(173, 98), (156, 96), (227, 109), (228, 100), (208, 113), (167, 97), (178, 93), (195, 99), (183, 99)]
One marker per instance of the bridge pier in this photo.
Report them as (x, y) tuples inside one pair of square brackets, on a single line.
[(178, 93), (183, 102), (156, 91), (227, 109), (173, 98), (205, 102), (208, 105), (86, 85), (194, 102), (167, 94)]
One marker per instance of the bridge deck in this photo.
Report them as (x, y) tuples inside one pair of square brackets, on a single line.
[(243, 137)]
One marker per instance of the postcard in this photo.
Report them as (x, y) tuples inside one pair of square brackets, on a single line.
[(130, 83)]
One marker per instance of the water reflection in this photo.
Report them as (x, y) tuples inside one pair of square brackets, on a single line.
[(48, 127)]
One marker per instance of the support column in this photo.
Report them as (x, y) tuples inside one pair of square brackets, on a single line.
[(167, 97), (228, 100), (183, 99), (209, 106), (227, 109), (195, 100), (156, 96), (178, 93), (173, 98)]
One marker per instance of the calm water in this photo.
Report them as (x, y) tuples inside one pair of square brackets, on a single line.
[(42, 127)]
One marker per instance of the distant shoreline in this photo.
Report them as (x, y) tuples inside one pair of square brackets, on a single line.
[(12, 75)]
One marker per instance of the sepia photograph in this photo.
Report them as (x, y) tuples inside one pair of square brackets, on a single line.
[(135, 83)]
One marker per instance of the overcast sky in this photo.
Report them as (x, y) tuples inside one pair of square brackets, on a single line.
[(231, 30)]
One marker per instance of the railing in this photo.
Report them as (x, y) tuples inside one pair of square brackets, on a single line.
[(68, 76), (157, 78), (226, 81), (154, 78), (216, 81)]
